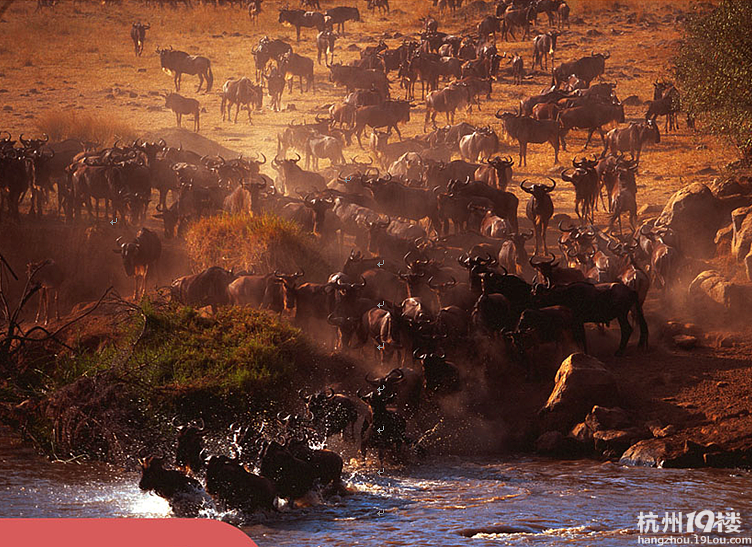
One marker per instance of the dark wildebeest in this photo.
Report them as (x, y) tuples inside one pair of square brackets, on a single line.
[(254, 10), (543, 46), (632, 138), (207, 288), (666, 102), (183, 106), (340, 14), (388, 114), (139, 258), (300, 66), (138, 35), (49, 276), (585, 182), (185, 494), (539, 210), (586, 69), (300, 18), (445, 100), (325, 45), (526, 130), (268, 49), (177, 63), (353, 77), (275, 82), (600, 303), (230, 484), (240, 92), (591, 116), (518, 69)]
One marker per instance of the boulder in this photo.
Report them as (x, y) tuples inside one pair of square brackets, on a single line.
[(710, 291), (601, 418), (723, 238), (613, 442), (748, 265), (731, 187), (741, 240), (648, 453), (682, 212), (582, 433), (580, 383)]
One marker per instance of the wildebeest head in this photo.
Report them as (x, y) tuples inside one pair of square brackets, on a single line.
[(189, 453), (289, 282), (130, 252), (152, 472), (538, 191)]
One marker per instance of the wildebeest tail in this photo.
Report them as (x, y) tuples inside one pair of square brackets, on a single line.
[(209, 79)]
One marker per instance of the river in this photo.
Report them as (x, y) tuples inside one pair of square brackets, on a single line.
[(442, 502)]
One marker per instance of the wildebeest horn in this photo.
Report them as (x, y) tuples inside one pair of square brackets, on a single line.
[(522, 185), (372, 382), (395, 376), (298, 159)]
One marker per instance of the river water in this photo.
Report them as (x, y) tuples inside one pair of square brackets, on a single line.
[(444, 501)]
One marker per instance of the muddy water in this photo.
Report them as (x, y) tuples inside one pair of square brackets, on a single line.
[(447, 502)]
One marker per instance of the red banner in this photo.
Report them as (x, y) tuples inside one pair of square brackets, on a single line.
[(120, 533)]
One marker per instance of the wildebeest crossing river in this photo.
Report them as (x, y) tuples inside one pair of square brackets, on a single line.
[(447, 501)]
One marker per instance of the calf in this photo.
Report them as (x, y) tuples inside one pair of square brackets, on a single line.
[(182, 105)]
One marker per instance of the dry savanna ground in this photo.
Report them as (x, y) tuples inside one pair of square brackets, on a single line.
[(71, 71)]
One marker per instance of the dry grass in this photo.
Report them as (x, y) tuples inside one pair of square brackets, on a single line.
[(263, 244), (87, 127)]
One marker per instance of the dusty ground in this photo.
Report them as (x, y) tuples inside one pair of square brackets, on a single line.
[(80, 59)]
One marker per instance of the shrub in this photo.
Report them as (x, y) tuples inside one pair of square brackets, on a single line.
[(714, 68)]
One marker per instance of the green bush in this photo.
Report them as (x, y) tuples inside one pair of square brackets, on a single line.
[(714, 70)]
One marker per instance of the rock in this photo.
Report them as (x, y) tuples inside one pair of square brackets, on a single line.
[(748, 265), (582, 433), (648, 209), (710, 289), (616, 441), (731, 187), (601, 418), (648, 453), (684, 341), (690, 455), (723, 237), (580, 383), (659, 431), (554, 443), (741, 223), (693, 202)]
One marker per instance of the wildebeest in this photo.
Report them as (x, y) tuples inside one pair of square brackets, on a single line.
[(268, 49), (446, 100), (184, 106), (190, 455), (275, 82), (539, 210), (497, 173), (230, 484), (292, 176), (138, 35), (300, 18), (591, 116), (543, 46), (353, 77), (207, 288), (324, 146), (325, 45), (586, 69), (139, 257), (525, 130), (632, 138), (240, 92), (518, 69), (49, 277), (178, 62), (584, 178), (480, 145), (600, 303), (297, 65), (340, 14), (388, 114), (666, 102), (185, 494)]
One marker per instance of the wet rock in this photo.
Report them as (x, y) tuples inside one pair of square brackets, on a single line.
[(614, 442), (684, 341), (580, 383), (741, 223), (681, 213), (690, 455), (554, 443), (602, 418), (647, 453)]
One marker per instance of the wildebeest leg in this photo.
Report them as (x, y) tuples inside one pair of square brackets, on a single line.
[(177, 81), (626, 332), (589, 137), (297, 29), (555, 144), (523, 153), (178, 116)]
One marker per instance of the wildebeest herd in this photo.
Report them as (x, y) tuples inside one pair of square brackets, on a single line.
[(436, 277)]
